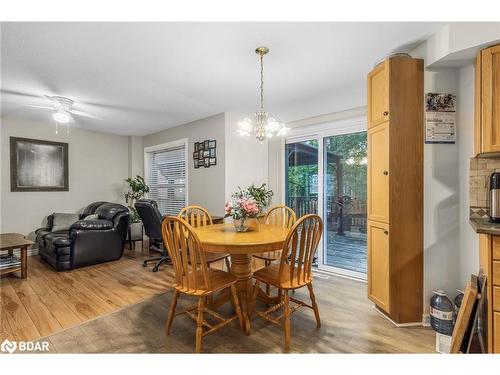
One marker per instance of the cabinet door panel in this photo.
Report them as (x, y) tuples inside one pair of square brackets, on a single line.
[(378, 264), (378, 173), (490, 95), (378, 95)]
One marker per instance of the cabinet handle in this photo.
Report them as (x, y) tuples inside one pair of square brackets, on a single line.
[(386, 232), (386, 173), (386, 113)]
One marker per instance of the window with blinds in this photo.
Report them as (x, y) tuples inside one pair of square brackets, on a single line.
[(167, 179)]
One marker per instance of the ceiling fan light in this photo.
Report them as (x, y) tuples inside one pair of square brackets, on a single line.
[(61, 117)]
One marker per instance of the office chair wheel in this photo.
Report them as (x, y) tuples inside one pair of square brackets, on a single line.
[(155, 269), (145, 264)]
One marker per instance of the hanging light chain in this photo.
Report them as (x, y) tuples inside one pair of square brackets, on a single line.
[(261, 81)]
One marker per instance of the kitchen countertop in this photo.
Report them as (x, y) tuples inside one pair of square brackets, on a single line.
[(485, 226)]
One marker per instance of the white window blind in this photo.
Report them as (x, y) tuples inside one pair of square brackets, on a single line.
[(167, 179)]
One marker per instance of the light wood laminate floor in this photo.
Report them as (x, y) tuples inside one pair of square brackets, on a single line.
[(121, 307)]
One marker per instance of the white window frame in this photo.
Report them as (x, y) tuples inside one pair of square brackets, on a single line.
[(165, 146), (319, 132)]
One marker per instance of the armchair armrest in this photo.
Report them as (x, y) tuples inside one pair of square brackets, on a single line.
[(98, 224)]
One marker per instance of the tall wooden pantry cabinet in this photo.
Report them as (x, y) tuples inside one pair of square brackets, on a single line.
[(395, 188)]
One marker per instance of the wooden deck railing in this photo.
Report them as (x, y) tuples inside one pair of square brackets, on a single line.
[(339, 217)]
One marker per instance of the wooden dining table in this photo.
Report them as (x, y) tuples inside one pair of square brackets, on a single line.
[(223, 238)]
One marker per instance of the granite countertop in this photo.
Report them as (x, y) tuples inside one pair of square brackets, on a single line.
[(485, 226)]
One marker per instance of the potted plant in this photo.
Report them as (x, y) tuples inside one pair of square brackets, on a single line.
[(261, 195), (137, 188), (241, 207), (247, 204)]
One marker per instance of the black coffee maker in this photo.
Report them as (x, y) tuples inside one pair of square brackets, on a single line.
[(495, 197)]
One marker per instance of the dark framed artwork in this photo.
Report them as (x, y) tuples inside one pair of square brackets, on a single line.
[(38, 165), (205, 153)]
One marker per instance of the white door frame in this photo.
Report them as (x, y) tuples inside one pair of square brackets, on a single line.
[(319, 132)]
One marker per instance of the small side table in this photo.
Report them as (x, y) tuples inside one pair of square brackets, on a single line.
[(11, 241)]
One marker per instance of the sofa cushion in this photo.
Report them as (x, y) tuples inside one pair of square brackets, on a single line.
[(109, 210), (99, 224), (53, 236), (63, 221), (91, 217)]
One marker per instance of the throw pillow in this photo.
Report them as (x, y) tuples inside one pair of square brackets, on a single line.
[(91, 217), (63, 221)]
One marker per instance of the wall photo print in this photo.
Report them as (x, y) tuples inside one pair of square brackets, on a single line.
[(38, 165), (205, 153)]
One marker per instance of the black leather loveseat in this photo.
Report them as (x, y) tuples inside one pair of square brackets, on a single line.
[(87, 241)]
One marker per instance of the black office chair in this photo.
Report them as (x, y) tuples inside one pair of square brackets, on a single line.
[(151, 219)]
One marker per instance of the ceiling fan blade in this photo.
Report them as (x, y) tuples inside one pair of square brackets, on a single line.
[(28, 105), (38, 106), (85, 114)]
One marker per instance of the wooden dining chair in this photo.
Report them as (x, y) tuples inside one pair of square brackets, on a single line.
[(282, 216), (198, 216), (293, 272), (194, 278)]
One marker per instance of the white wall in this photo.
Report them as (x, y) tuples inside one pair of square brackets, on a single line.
[(206, 185), (469, 240), (246, 158), (98, 164)]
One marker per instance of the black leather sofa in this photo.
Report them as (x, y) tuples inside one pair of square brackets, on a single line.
[(86, 242)]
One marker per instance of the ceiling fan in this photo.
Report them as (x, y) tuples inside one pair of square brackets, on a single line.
[(63, 110)]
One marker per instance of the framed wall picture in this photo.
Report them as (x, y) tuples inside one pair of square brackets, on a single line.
[(38, 165), (205, 153)]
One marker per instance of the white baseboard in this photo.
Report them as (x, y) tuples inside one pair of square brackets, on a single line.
[(399, 325), (426, 320)]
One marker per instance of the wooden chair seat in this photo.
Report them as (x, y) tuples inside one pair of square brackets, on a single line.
[(269, 256), (218, 280), (271, 275), (212, 257)]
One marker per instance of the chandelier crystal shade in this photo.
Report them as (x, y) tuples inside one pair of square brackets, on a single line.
[(263, 125)]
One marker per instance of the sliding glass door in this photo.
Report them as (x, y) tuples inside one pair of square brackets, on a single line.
[(325, 174), (344, 203)]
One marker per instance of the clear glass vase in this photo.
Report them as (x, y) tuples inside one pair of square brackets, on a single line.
[(241, 225)]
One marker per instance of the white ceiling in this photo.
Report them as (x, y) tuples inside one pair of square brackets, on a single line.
[(144, 77)]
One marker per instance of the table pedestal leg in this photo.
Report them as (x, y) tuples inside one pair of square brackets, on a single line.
[(241, 267)]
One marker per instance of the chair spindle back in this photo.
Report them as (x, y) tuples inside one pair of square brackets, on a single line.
[(281, 215), (188, 257), (196, 216), (300, 247)]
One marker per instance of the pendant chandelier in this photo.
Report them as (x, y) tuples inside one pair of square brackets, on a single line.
[(263, 125)]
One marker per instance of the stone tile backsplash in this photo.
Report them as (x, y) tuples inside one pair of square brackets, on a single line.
[(479, 183)]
